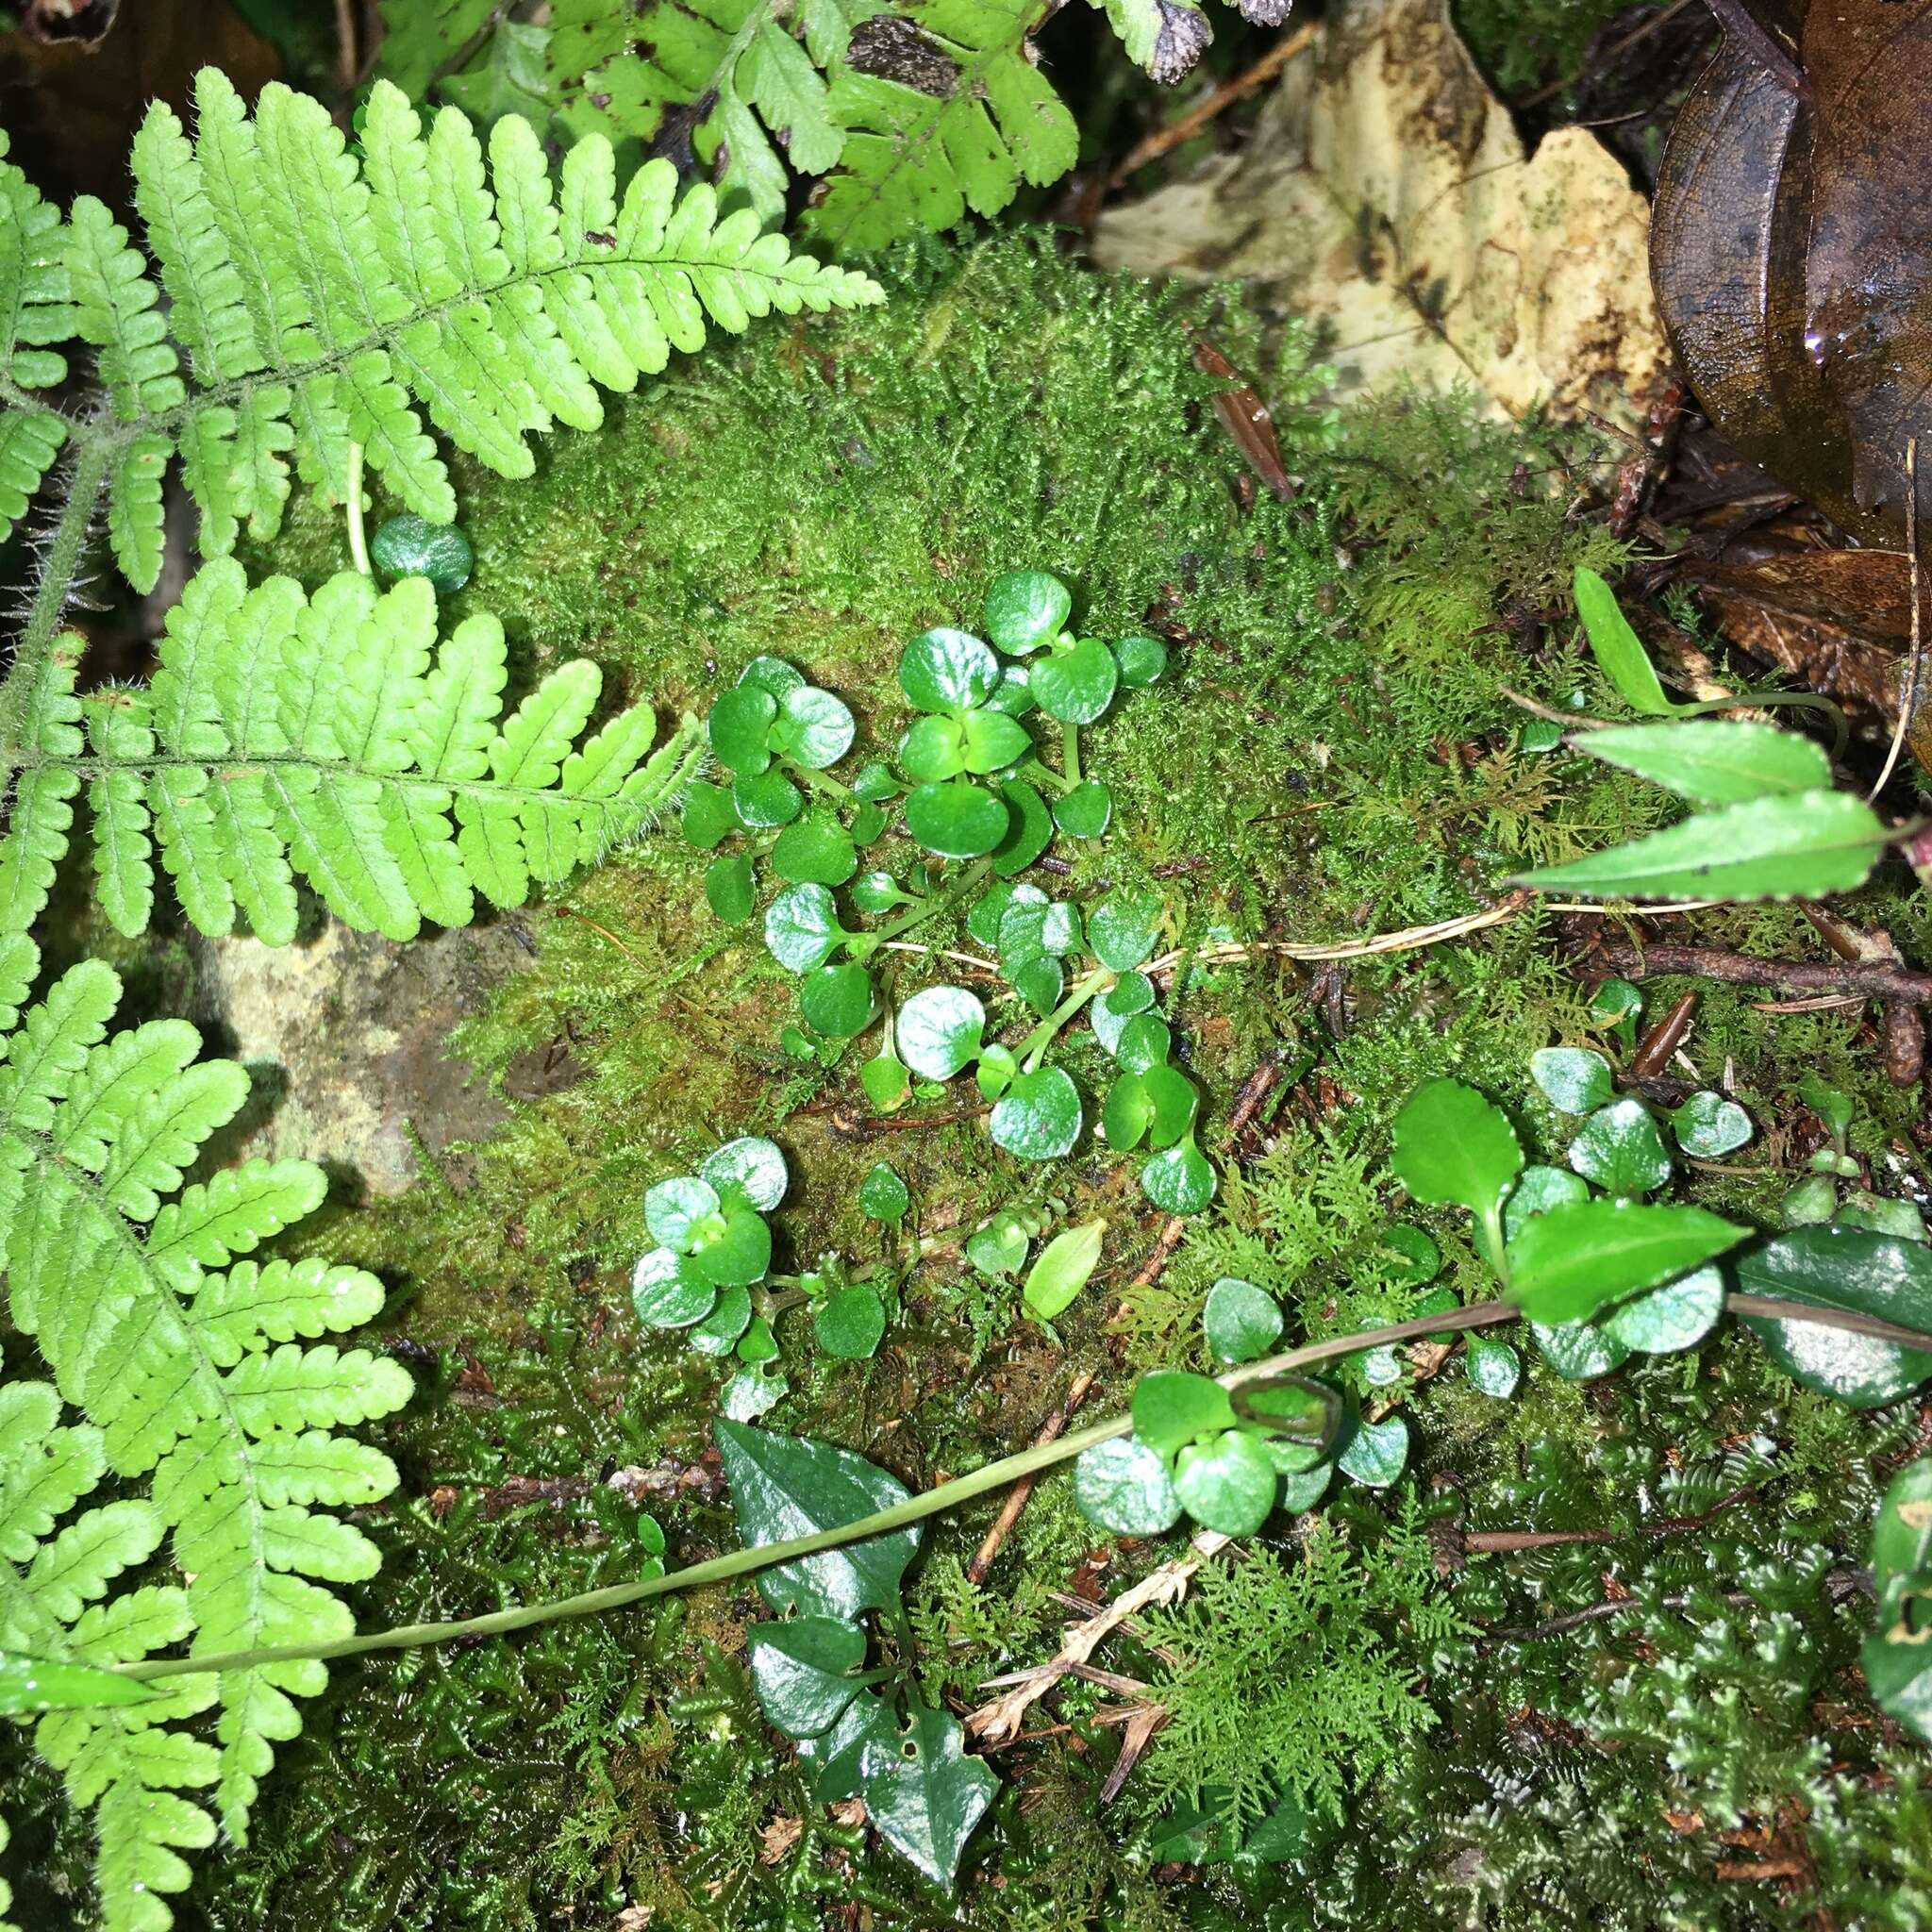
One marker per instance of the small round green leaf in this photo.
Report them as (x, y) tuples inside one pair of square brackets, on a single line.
[(764, 800), (943, 670), (1579, 1351), (1038, 1117), (730, 889), (1452, 1145), (1131, 994), (1616, 1001), (939, 1031), (1619, 1149), (719, 1331), (886, 1081), (818, 850), (838, 1001), (802, 928), (668, 1293), (957, 819), (1574, 1078), (410, 546), (932, 748), (750, 1170), (737, 1254), (882, 1195), (1126, 1113), (878, 892), (988, 912), (1409, 1255), (709, 816), (1676, 1316), (1141, 660), (674, 1209), (1709, 1126), (1125, 1487), (1030, 828), (813, 728), (1121, 928), (1170, 1407), (1000, 1246), (1377, 1453), (1228, 1484), (851, 1323), (993, 741), (1240, 1320), (1300, 1489), (1539, 1191), (774, 675), (1180, 1180), (1074, 685), (1026, 609), (1039, 980), (1144, 1043), (1086, 811), (741, 729), (1494, 1368), (1174, 1103)]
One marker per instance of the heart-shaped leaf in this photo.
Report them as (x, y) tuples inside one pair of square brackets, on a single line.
[(1141, 660), (802, 928), (708, 815), (957, 819), (802, 1671), (1620, 1150), (1573, 1079), (813, 728), (1376, 1454), (939, 1030), (1121, 929), (1086, 811), (718, 1333), (739, 1254), (882, 1195), (1573, 1260), (922, 1794), (1038, 1117), (1144, 1043), (851, 1323), (933, 748), (838, 1001), (741, 729), (1123, 1486), (1240, 1320), (668, 1292), (763, 800), (411, 546), (750, 1171), (1131, 994), (1172, 1407), (1227, 1485), (784, 1486), (1180, 1180), (1077, 685), (944, 670), (1026, 609), (730, 890), (1709, 1126)]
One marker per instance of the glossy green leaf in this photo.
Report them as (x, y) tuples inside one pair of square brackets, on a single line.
[(1676, 1316), (878, 892), (886, 1081), (1897, 1657), (1804, 846), (957, 819), (1000, 1246), (1126, 1113), (1076, 686), (875, 784), (1086, 811), (750, 1171), (992, 741), (1240, 1320), (838, 1001), (1573, 1079), (882, 1195), (1040, 980), (1064, 1266), (1376, 1454), (774, 675), (1131, 994), (802, 928), (784, 1486), (1174, 1104), (1227, 1485), (939, 1030), (1714, 763), (708, 816), (988, 912), (1619, 1149), (1831, 1106), (1172, 1407), (737, 1254), (813, 728), (1141, 660), (1123, 1486), (922, 1794), (668, 1292), (1452, 1145), (818, 850), (1038, 1117), (1579, 1351), (1030, 828), (31, 1684), (1144, 1043), (751, 1392), (831, 1763), (1121, 928), (802, 1672), (730, 890), (741, 729), (1036, 925), (1575, 1259), (1537, 1190), (719, 1332), (1179, 1180), (944, 670), (998, 1070), (932, 748), (674, 1209), (851, 1323), (1409, 1254), (1709, 1126), (1618, 648), (765, 800), (1899, 1219), (1842, 1268), (409, 546), (1026, 609), (1493, 1367)]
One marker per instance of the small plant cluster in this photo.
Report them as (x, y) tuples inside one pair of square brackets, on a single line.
[(1816, 1199)]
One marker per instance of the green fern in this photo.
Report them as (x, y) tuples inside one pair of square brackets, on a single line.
[(326, 739), (321, 301), (189, 1366)]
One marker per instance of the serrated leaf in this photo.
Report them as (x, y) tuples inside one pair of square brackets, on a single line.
[(1566, 1264), (1713, 763)]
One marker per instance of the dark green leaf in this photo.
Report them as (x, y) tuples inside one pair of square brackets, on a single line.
[(774, 675), (1144, 1043), (1026, 609), (784, 1486), (1180, 1180), (802, 928), (1086, 811), (668, 1292), (813, 728), (1376, 1453), (939, 1031), (1804, 846), (737, 1254), (1030, 828), (886, 1082), (851, 1323), (957, 820), (764, 800), (882, 1195), (1842, 1268), (1077, 685), (1038, 1117), (718, 1333), (408, 546), (1172, 1407), (816, 851), (1240, 1320), (708, 815), (838, 1001), (1123, 1486), (1141, 660), (831, 1762), (1131, 994), (1831, 1106), (1227, 1485), (1000, 1246), (730, 889), (1039, 980), (1573, 1079), (1619, 1149), (1493, 1368), (922, 1794), (943, 670), (1579, 1351), (878, 892), (1713, 763), (1121, 929), (988, 912), (875, 784), (802, 1672), (742, 729), (1573, 1260), (1709, 1126)]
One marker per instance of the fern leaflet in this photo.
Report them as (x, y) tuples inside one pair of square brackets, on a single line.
[(188, 1364), (322, 301), (325, 738)]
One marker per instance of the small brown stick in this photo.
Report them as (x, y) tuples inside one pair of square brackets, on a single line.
[(1409, 938), (1655, 1049), (1909, 698), (1162, 141), (1868, 979), (1016, 1497)]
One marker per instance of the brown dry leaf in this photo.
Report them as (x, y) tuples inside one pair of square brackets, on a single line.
[(778, 1839), (1386, 194)]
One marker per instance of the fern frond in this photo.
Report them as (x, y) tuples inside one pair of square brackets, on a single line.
[(326, 740), (946, 113), (192, 1363), (322, 300)]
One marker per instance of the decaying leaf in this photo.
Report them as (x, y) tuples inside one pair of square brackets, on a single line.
[(1386, 195), (1793, 249)]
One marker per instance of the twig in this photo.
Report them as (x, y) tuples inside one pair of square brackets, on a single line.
[(1410, 938), (347, 66), (1869, 978), (1162, 141), (1016, 1498), (1908, 700), (1557, 1625)]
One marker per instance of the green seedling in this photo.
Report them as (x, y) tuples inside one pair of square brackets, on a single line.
[(1815, 1200)]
